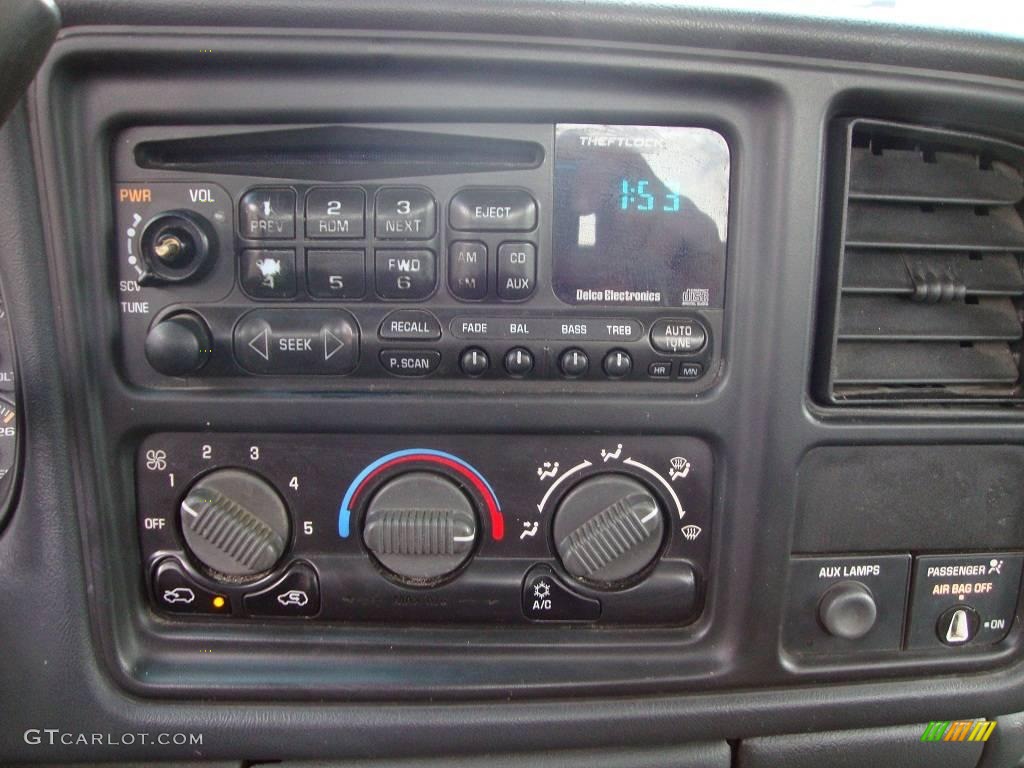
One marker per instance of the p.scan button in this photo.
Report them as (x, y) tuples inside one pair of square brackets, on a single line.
[(297, 342)]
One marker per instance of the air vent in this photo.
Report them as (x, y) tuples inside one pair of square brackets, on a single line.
[(927, 305)]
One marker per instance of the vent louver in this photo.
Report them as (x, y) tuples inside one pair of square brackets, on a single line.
[(927, 306)]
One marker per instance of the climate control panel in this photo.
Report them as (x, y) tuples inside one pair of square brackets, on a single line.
[(452, 529)]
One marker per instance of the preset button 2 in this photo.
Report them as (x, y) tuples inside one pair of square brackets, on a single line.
[(335, 212)]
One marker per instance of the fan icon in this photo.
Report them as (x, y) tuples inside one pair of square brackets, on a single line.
[(541, 590)]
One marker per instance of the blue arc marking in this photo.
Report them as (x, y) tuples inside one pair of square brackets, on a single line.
[(345, 511)]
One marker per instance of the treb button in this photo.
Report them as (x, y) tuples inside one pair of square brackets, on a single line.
[(493, 209)]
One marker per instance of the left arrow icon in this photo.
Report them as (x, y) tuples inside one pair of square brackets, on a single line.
[(261, 344)]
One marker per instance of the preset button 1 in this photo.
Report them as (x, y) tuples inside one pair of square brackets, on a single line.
[(267, 214)]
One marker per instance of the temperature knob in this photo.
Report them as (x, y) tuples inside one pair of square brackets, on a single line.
[(420, 526), (235, 523), (608, 529)]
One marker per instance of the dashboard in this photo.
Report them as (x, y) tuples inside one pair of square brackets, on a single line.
[(579, 383)]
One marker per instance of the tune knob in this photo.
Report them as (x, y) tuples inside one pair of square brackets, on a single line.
[(179, 345), (235, 523), (420, 526), (608, 529)]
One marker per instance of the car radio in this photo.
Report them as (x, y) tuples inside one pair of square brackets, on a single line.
[(339, 255)]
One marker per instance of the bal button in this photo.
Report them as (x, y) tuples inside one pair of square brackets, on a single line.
[(518, 361)]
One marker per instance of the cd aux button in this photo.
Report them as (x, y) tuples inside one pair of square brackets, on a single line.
[(517, 270)]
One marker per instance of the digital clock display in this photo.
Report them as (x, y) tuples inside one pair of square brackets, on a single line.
[(641, 214)]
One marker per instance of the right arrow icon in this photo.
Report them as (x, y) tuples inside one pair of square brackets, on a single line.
[(332, 345)]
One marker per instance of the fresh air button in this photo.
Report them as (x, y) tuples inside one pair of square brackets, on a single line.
[(297, 593), (410, 325), (507, 210), (268, 274), (177, 592), (467, 270), (682, 336), (267, 214), (297, 341), (407, 274), (335, 212), (336, 274), (410, 362), (517, 270), (405, 214)]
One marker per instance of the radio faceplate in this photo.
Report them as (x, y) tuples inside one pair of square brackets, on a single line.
[(373, 528), (328, 256)]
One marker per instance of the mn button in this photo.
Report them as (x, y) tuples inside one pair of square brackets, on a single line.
[(286, 341)]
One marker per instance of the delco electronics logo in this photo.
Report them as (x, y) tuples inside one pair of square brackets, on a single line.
[(958, 730), (622, 142)]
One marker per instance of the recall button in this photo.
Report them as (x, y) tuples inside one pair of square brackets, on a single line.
[(493, 209), (410, 325), (410, 363)]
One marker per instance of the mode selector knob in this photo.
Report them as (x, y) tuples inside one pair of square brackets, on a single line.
[(608, 529), (420, 526), (235, 523)]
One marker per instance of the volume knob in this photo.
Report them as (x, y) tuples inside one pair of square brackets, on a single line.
[(235, 523), (608, 529)]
